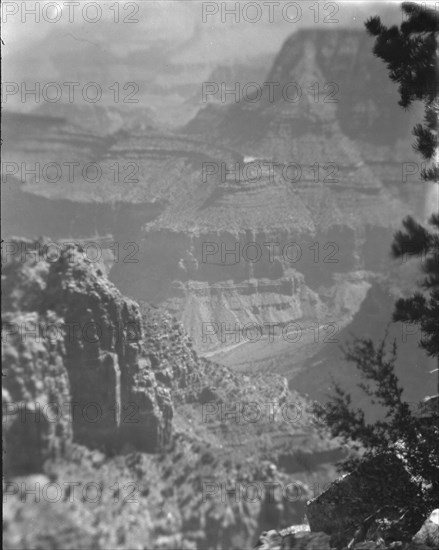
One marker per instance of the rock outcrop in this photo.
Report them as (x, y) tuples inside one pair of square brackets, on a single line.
[(36, 390), (378, 506), (428, 534), (74, 344), (378, 500)]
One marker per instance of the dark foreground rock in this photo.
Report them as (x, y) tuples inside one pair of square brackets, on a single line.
[(376, 507), (377, 501)]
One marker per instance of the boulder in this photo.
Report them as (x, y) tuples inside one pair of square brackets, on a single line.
[(428, 534), (368, 504)]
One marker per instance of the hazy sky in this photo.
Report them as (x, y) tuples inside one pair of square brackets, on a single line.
[(178, 25)]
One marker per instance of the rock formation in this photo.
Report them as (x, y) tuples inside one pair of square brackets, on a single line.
[(74, 341), (355, 506), (377, 506), (428, 534)]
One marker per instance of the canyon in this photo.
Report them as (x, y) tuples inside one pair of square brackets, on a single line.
[(236, 253), (255, 216)]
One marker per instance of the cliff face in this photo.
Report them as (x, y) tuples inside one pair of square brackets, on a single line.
[(216, 276), (354, 98), (36, 387), (77, 345), (57, 182)]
